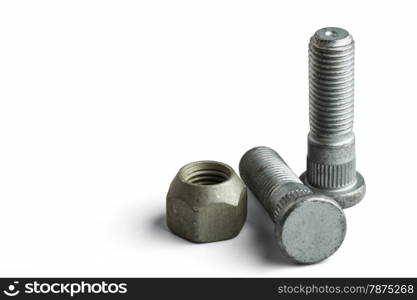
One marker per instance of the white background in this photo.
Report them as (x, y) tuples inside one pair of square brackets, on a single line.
[(103, 101)]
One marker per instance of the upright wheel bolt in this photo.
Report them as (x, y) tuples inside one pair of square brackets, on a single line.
[(331, 167), (309, 227)]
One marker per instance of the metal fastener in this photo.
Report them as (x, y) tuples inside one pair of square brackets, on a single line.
[(331, 163), (309, 227), (206, 202)]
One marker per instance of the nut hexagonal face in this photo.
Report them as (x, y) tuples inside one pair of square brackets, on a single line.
[(206, 202)]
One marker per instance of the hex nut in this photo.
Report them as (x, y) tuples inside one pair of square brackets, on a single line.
[(206, 202)]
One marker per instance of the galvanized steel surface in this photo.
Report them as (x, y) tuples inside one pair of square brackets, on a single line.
[(309, 227), (331, 161)]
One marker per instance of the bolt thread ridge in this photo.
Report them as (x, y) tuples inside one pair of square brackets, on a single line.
[(264, 172), (331, 176), (331, 87)]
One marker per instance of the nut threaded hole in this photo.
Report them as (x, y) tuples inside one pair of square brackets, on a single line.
[(205, 173)]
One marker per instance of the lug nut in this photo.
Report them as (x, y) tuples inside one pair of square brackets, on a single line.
[(309, 227), (206, 202), (331, 167)]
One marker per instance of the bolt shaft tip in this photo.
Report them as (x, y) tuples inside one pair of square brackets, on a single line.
[(332, 37)]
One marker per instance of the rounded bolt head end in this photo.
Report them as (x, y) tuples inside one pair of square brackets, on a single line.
[(312, 229), (346, 197)]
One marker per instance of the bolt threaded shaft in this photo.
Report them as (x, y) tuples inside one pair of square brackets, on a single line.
[(331, 160), (273, 183), (331, 67)]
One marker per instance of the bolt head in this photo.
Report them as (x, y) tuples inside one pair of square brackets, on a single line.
[(312, 229), (346, 197)]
